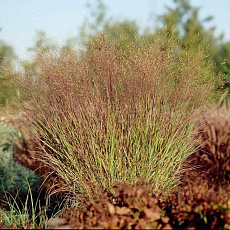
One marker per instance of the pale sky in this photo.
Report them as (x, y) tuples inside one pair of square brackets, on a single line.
[(20, 19)]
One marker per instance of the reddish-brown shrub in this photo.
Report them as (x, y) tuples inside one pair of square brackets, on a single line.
[(198, 203), (130, 207)]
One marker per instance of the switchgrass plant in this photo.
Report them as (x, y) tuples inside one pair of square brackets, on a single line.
[(105, 116)]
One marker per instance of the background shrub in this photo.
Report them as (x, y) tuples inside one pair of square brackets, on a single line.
[(213, 133)]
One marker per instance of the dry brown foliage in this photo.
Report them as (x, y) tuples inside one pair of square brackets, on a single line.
[(199, 203), (196, 204), (130, 207)]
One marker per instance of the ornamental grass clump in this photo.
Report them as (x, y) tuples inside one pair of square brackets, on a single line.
[(104, 116), (213, 134)]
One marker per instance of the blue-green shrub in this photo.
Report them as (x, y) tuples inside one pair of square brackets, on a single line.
[(12, 174)]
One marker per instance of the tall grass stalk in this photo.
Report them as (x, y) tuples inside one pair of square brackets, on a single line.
[(26, 214)]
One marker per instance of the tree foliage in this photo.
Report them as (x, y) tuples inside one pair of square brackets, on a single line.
[(8, 91), (183, 20)]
